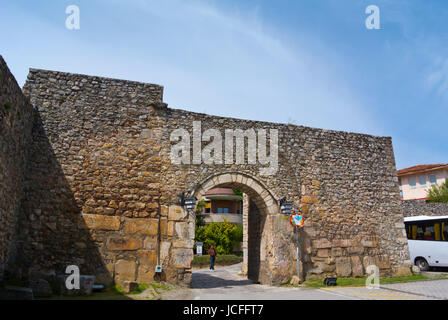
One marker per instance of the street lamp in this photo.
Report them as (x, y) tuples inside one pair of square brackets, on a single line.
[(188, 202), (285, 207)]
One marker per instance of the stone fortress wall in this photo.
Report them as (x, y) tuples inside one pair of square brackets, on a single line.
[(102, 192), (422, 208), (16, 118)]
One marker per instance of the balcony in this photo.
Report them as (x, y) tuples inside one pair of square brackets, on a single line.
[(235, 218)]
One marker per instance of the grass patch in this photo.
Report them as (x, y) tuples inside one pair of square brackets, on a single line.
[(160, 286), (317, 283), (110, 293), (114, 292), (221, 260), (142, 286)]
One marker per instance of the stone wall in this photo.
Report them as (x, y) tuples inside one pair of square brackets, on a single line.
[(422, 208), (101, 184), (95, 190), (16, 114)]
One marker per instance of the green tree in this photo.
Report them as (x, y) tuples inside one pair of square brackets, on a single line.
[(222, 235), (438, 193)]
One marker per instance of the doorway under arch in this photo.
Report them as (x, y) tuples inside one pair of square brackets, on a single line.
[(258, 213)]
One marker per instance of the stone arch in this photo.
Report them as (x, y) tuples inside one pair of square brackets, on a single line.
[(258, 213), (261, 195)]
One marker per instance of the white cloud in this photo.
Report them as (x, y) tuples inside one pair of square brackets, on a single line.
[(437, 79), (246, 71)]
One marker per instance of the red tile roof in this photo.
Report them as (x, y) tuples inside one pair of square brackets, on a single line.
[(220, 191), (421, 167)]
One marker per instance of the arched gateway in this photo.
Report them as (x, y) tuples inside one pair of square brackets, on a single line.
[(258, 213)]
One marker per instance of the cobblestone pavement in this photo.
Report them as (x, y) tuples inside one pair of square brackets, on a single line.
[(225, 284), (436, 289)]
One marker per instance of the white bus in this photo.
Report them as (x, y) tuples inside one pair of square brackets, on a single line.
[(428, 241)]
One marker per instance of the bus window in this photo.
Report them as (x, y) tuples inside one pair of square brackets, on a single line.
[(437, 231), (428, 233), (414, 232), (445, 231), (419, 233)]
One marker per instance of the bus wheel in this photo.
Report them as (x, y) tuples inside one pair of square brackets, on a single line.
[(422, 264)]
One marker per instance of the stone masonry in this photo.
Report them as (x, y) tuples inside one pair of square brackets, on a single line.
[(422, 208), (102, 192), (16, 118)]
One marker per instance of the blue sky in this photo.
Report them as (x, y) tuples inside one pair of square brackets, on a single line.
[(313, 63)]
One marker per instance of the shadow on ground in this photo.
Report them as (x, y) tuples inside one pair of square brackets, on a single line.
[(202, 280)]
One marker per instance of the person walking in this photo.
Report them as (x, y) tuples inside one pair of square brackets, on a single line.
[(212, 253)]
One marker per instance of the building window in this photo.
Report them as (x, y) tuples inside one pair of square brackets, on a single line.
[(432, 179), (412, 183), (422, 181), (223, 210)]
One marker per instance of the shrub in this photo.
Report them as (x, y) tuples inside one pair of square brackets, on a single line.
[(222, 235), (438, 193)]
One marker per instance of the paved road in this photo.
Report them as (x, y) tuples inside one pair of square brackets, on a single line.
[(435, 289), (225, 284)]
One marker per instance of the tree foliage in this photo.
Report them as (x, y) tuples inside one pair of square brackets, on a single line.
[(200, 221), (237, 192), (438, 193), (222, 235)]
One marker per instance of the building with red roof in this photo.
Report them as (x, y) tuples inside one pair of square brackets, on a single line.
[(415, 181)]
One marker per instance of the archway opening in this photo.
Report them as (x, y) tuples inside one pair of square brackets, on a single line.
[(258, 205)]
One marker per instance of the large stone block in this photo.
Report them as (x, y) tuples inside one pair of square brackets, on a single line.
[(382, 261), (164, 250), (355, 250), (184, 230), (336, 252), (357, 266), (320, 267), (144, 226), (368, 261), (99, 222), (124, 243), (129, 286), (183, 244), (369, 242), (403, 272), (343, 243), (182, 258), (150, 243), (170, 228), (125, 271), (177, 213), (321, 244), (147, 257), (147, 264), (323, 253), (343, 266)]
